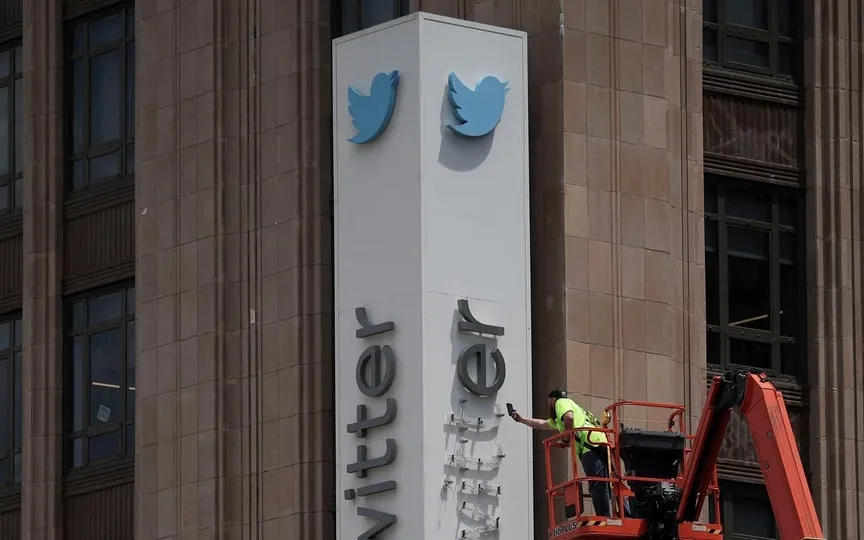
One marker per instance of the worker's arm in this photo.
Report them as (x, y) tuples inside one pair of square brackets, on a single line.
[(533, 423), (568, 424)]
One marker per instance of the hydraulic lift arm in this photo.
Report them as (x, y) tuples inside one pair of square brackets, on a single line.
[(763, 407)]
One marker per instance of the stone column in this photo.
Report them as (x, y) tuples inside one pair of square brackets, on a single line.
[(234, 248), (42, 467), (632, 184), (835, 229)]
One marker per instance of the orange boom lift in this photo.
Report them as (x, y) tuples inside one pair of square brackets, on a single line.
[(659, 485)]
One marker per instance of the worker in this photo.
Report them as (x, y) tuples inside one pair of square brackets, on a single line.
[(564, 415)]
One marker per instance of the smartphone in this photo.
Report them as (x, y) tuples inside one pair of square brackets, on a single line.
[(510, 409)]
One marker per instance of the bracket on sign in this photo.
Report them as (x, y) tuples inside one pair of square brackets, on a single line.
[(476, 423), (491, 524), (480, 488), (476, 464)]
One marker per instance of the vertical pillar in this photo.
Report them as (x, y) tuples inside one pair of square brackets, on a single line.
[(42, 466), (235, 339), (835, 222), (632, 205)]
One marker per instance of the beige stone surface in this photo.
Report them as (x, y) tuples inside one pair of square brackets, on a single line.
[(233, 212)]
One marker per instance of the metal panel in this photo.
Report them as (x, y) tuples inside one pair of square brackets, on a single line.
[(11, 13), (99, 240), (767, 133), (10, 525), (105, 514)]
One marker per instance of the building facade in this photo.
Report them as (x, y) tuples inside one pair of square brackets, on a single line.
[(166, 325)]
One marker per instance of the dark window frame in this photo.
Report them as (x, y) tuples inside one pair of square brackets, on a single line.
[(8, 402), (8, 180), (723, 30), (347, 13), (126, 418), (126, 143), (773, 336)]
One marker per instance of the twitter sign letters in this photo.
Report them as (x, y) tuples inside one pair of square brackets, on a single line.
[(478, 110)]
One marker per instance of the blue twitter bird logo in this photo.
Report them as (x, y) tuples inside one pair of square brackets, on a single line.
[(371, 114), (479, 110)]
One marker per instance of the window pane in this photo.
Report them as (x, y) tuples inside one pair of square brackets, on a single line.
[(130, 301), (18, 335), (711, 198), (78, 390), (19, 60), (712, 273), (789, 360), (105, 308), (350, 17), (5, 131), (79, 181), (752, 13), (5, 63), (713, 348), (5, 335), (130, 159), (4, 472), (19, 193), (787, 15), (5, 388), (130, 440), (16, 469), (19, 126), (749, 278), (79, 315), (709, 10), (788, 285), (748, 204), (78, 105), (130, 90), (745, 51), (105, 89), (709, 44), (374, 12), (130, 374), (78, 39), (16, 407), (104, 447), (787, 59), (105, 167), (750, 353), (4, 197), (130, 23), (106, 377), (788, 212), (106, 30), (78, 452), (753, 517)]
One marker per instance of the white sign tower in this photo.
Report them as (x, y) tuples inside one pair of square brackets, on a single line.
[(432, 281)]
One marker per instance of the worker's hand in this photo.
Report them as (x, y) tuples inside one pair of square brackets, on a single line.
[(516, 416)]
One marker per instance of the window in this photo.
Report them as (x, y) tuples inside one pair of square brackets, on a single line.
[(754, 275), (11, 125), (752, 35), (101, 376), (101, 127), (745, 512), (355, 15), (10, 401)]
